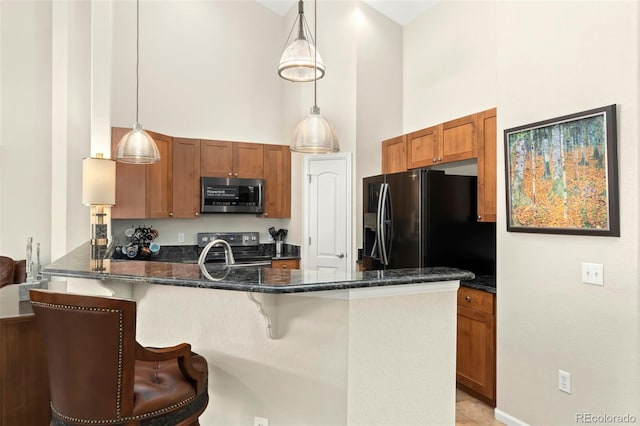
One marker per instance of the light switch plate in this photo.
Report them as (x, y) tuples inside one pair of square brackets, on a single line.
[(592, 273)]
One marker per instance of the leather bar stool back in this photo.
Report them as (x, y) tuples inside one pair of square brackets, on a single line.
[(100, 375)]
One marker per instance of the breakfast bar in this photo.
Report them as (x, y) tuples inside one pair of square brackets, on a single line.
[(296, 346)]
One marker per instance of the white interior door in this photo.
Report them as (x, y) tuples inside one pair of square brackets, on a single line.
[(328, 212)]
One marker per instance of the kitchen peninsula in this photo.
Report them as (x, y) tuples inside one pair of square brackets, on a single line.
[(372, 347)]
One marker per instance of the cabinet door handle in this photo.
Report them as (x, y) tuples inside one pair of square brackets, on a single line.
[(468, 298), (171, 214), (479, 217), (197, 213), (236, 174), (284, 266), (230, 174), (435, 159)]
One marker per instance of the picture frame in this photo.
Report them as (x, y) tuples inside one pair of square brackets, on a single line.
[(562, 175)]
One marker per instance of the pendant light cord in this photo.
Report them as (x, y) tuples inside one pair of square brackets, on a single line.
[(315, 53), (137, 56)]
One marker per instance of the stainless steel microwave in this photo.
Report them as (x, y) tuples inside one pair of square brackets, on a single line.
[(231, 195)]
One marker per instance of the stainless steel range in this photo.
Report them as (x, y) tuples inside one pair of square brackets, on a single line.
[(245, 246)]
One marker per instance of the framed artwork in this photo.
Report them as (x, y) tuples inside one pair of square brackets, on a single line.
[(562, 175)]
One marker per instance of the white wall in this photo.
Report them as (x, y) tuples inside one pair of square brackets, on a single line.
[(538, 60), (25, 134), (556, 58), (379, 97), (449, 67)]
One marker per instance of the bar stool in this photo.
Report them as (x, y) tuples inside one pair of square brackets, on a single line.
[(100, 375)]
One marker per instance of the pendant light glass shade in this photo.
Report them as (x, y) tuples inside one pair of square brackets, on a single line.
[(296, 63), (314, 135), (137, 147), (299, 61)]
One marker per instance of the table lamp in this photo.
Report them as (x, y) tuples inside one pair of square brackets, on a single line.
[(99, 192)]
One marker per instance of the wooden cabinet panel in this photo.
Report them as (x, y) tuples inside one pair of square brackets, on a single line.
[(130, 184), (277, 181), (424, 147), (476, 344), (487, 170), (231, 159), (459, 139), (285, 264), (143, 190), (159, 184), (394, 155), (216, 158), (186, 178), (475, 299), (248, 160), (24, 380)]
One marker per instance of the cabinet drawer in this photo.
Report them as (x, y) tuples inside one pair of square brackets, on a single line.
[(285, 264), (476, 299)]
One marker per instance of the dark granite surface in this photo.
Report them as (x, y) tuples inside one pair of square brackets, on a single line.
[(77, 264), (190, 253), (481, 282)]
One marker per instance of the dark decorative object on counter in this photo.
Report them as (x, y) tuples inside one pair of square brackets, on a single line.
[(140, 245)]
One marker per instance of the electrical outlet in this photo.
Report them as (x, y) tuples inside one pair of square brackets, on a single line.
[(592, 273), (260, 421), (181, 237), (564, 381)]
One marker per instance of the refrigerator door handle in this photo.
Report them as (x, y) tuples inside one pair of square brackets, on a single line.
[(388, 224), (382, 228), (377, 244)]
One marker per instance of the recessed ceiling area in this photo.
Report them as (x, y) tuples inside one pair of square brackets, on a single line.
[(400, 11)]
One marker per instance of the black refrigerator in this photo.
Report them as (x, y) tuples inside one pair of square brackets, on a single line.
[(421, 218)]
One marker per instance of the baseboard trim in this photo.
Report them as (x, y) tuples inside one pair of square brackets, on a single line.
[(507, 419)]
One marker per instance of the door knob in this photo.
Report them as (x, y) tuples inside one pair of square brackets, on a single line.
[(340, 256)]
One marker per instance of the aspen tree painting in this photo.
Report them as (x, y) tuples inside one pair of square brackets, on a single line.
[(562, 175)]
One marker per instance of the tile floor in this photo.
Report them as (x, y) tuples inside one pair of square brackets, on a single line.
[(471, 412)]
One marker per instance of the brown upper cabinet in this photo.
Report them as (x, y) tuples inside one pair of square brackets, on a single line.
[(454, 140), (186, 178), (459, 139), (487, 184), (144, 191), (394, 155), (277, 181), (424, 147), (469, 137), (232, 159)]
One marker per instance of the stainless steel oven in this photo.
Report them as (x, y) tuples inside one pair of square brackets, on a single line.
[(231, 195)]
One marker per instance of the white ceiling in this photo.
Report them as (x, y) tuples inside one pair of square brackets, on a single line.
[(401, 11)]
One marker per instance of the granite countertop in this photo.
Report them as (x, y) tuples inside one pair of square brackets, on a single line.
[(190, 253), (481, 282), (253, 279)]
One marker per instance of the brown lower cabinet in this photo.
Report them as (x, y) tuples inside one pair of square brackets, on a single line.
[(24, 381), (476, 344)]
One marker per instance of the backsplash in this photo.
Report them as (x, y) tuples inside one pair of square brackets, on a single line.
[(168, 229)]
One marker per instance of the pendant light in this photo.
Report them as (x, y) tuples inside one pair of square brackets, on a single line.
[(136, 146), (314, 134), (300, 61)]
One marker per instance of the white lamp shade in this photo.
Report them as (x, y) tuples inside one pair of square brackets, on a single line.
[(98, 181), (299, 64), (314, 135)]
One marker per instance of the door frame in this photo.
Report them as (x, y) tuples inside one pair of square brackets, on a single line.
[(308, 159)]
